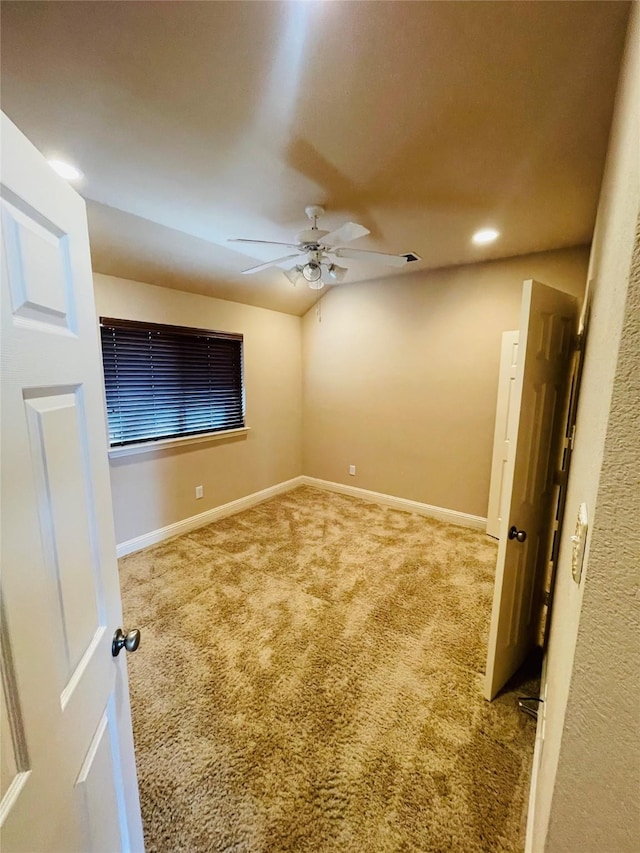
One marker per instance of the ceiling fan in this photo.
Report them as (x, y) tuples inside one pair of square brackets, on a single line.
[(319, 248)]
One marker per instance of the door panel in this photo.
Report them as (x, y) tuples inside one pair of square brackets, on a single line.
[(37, 256), (69, 780), (536, 406), (99, 807), (504, 433), (56, 434)]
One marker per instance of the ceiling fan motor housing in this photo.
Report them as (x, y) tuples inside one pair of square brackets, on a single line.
[(311, 235)]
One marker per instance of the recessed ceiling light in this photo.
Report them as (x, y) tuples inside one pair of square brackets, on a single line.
[(65, 170), (485, 235)]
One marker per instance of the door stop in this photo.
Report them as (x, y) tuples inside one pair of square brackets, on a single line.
[(529, 705)]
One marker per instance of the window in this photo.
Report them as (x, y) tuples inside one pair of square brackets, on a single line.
[(167, 381)]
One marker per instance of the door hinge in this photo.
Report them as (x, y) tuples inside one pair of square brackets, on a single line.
[(572, 437), (546, 597)]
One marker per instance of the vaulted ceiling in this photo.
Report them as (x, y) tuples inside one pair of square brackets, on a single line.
[(195, 122)]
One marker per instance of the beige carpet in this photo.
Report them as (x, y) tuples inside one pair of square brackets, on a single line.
[(309, 679)]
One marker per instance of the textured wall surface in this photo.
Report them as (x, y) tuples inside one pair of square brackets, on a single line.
[(599, 609), (596, 805)]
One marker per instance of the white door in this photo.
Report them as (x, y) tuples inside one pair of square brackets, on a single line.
[(564, 464), (68, 769), (547, 330), (502, 437)]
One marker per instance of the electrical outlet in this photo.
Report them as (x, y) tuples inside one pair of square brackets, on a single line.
[(199, 492), (352, 470)]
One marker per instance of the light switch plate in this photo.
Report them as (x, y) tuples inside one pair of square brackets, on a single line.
[(578, 541)]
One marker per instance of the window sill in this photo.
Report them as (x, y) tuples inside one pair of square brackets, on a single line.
[(168, 443)]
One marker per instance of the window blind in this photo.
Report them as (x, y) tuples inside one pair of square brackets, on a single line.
[(169, 381)]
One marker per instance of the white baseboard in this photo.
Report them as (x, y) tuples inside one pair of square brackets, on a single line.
[(451, 516), (194, 521)]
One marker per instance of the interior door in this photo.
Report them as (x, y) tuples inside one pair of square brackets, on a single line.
[(501, 437), (547, 329), (565, 452), (68, 769)]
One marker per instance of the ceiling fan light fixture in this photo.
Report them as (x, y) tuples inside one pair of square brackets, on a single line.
[(312, 273), (336, 273), (294, 275)]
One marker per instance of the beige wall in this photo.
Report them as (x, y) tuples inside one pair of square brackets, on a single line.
[(589, 778), (400, 376), (152, 490)]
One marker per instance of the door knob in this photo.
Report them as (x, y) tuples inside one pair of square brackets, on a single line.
[(129, 641), (514, 533)]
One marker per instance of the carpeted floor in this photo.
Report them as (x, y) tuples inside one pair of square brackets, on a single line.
[(309, 679)]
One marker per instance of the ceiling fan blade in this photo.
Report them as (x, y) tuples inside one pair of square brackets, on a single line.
[(378, 257), (345, 234), (268, 264), (263, 242)]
